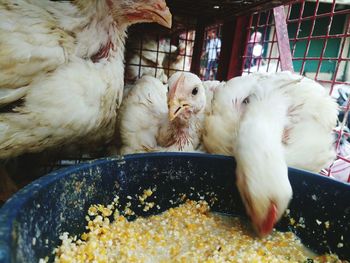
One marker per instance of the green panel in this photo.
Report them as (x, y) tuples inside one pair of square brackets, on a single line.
[(320, 29)]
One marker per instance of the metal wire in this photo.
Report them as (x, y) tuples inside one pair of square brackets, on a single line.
[(299, 18)]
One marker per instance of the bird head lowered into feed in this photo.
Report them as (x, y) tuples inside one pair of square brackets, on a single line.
[(142, 11), (259, 115), (186, 96)]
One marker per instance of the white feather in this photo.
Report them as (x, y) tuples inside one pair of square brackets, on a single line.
[(143, 118), (46, 54), (268, 121)]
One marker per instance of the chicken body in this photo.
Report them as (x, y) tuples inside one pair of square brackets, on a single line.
[(151, 119), (269, 121), (61, 69)]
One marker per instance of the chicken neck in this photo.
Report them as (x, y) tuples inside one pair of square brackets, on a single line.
[(178, 133)]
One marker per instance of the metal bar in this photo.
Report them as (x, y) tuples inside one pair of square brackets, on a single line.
[(283, 39), (157, 54), (226, 48), (340, 56), (256, 30), (251, 26), (343, 158), (265, 32), (271, 48), (197, 48), (309, 37), (341, 131), (184, 55), (330, 81), (325, 58), (239, 47), (248, 26), (320, 37), (140, 56), (342, 12), (298, 28)]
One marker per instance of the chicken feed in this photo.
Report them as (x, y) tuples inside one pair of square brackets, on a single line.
[(187, 233)]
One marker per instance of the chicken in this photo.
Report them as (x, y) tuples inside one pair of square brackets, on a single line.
[(340, 169), (145, 56), (152, 119), (210, 86), (64, 62), (61, 69), (268, 121)]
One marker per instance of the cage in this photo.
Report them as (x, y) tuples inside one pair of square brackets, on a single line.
[(318, 33), (252, 38)]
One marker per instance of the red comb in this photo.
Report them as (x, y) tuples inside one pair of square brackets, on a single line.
[(179, 83)]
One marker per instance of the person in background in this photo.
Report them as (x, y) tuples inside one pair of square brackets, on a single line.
[(213, 52), (254, 50)]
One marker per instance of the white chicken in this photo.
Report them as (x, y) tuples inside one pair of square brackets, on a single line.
[(268, 121), (152, 119), (210, 86), (61, 69), (64, 60)]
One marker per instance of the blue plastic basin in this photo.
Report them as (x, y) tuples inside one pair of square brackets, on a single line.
[(32, 220)]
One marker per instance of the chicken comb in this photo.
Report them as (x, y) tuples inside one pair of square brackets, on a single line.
[(180, 82)]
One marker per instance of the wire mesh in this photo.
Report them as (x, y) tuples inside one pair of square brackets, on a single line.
[(319, 41), (159, 54), (319, 37)]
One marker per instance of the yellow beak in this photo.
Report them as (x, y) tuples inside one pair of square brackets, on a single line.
[(176, 107), (160, 13)]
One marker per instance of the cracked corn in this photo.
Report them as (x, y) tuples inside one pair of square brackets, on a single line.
[(188, 233)]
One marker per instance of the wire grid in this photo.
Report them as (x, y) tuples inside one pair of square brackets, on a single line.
[(319, 35), (182, 59), (222, 9), (208, 69), (153, 53)]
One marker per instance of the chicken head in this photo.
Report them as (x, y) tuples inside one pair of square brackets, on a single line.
[(186, 96), (255, 117)]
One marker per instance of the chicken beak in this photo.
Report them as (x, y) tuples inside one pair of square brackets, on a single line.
[(266, 227), (176, 107), (154, 11)]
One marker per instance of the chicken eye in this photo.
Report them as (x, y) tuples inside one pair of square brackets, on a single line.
[(246, 100), (195, 91)]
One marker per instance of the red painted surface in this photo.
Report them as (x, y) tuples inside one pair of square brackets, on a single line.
[(197, 49), (283, 39), (238, 47), (228, 34)]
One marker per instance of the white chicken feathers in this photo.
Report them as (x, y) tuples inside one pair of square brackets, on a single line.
[(268, 121), (210, 86), (141, 113), (144, 120), (311, 116), (65, 60)]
